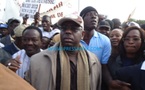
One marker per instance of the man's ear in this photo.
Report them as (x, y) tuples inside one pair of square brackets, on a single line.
[(83, 34)]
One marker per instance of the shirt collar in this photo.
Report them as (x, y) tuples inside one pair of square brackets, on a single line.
[(11, 38), (95, 34), (143, 66), (16, 46)]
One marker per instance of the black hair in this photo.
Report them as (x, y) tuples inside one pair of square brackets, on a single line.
[(86, 10), (11, 21), (142, 26), (116, 22), (139, 53), (46, 16), (110, 23), (34, 28)]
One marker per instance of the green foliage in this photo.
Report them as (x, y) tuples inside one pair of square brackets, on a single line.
[(140, 22)]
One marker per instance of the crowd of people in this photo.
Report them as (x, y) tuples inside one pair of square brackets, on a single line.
[(79, 52)]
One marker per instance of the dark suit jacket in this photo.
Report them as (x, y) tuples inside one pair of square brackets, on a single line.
[(6, 40), (4, 56), (133, 75), (11, 49)]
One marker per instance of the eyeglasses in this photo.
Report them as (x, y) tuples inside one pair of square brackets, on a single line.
[(133, 39)]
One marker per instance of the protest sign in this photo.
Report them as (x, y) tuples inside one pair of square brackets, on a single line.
[(29, 8), (41, 1), (61, 9)]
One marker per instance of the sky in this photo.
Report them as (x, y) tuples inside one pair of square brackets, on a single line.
[(118, 8), (112, 8)]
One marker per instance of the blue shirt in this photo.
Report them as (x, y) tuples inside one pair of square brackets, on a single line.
[(99, 45)]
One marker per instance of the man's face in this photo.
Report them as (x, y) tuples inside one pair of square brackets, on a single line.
[(91, 20), (104, 30), (45, 42), (46, 23), (71, 34), (19, 42), (31, 41), (12, 27), (4, 31)]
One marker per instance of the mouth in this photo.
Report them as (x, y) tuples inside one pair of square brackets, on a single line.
[(68, 39), (93, 21), (130, 47), (114, 41), (44, 26), (29, 48)]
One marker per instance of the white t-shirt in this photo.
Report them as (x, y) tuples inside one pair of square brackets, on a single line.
[(49, 34), (25, 62)]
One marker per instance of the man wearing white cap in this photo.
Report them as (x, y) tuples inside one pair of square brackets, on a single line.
[(66, 65)]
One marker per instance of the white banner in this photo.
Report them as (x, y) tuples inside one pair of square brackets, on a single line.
[(62, 9), (9, 9), (29, 8), (41, 1)]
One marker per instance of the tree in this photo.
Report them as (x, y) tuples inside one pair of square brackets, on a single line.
[(140, 22)]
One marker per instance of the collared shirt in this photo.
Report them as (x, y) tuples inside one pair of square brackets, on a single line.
[(11, 38), (1, 45), (7, 40), (25, 62), (46, 33), (100, 45), (16, 46), (12, 48), (143, 66)]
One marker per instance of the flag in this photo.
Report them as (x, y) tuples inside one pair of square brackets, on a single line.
[(131, 14)]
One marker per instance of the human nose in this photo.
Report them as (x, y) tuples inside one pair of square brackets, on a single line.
[(68, 31), (104, 31), (29, 42), (43, 23)]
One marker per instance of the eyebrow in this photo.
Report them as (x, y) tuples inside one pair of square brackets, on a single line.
[(133, 36)]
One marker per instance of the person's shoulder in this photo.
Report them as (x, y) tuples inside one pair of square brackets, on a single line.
[(1, 45), (8, 46), (90, 53), (93, 60), (92, 56), (8, 77), (41, 53), (130, 69), (102, 36), (45, 53), (3, 38), (20, 52), (2, 50), (104, 39)]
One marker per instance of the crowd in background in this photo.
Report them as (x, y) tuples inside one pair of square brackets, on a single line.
[(79, 52)]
